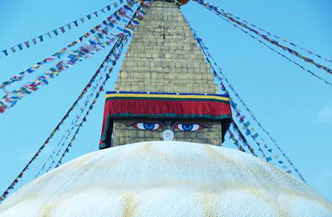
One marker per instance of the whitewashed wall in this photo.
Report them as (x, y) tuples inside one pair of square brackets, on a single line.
[(158, 179)]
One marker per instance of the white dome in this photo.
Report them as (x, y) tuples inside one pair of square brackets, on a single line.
[(156, 179)]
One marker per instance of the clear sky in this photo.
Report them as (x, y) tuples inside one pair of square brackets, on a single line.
[(294, 106)]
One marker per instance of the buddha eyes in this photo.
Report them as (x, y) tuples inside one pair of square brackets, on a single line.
[(188, 127), (152, 126), (147, 126)]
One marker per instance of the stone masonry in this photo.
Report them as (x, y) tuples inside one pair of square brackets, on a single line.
[(126, 135), (164, 57)]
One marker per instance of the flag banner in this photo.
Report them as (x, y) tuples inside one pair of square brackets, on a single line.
[(55, 32), (112, 57), (11, 187), (243, 120), (284, 56), (236, 142), (269, 33), (5, 52), (104, 26), (61, 144), (221, 13), (20, 46), (71, 58), (121, 43), (75, 22), (62, 29), (27, 44)]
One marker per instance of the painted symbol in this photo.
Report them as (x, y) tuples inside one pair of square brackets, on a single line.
[(168, 135)]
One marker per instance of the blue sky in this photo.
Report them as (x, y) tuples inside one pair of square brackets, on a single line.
[(294, 106)]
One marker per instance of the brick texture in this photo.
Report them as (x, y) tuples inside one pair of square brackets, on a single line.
[(124, 133), (163, 56)]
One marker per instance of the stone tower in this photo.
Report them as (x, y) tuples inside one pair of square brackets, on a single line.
[(164, 57)]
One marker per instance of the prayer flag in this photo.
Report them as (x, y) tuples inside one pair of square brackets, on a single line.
[(13, 49), (5, 52), (27, 44), (256, 135)]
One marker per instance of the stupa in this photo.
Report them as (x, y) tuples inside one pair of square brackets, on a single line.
[(161, 156)]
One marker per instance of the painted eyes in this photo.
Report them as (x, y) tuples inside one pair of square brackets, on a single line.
[(189, 127), (185, 127), (147, 126)]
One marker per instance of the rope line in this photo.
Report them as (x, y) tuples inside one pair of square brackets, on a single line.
[(106, 25), (11, 98), (221, 77), (122, 37), (273, 35), (291, 51), (140, 12), (274, 50), (62, 29)]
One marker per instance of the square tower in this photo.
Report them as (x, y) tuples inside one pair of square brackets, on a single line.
[(164, 58)]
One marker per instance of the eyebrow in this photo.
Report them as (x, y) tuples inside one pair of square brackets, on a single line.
[(147, 121), (162, 122), (180, 122), (173, 122)]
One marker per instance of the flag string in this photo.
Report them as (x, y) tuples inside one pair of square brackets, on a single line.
[(103, 28), (116, 45), (231, 133), (57, 128), (93, 46), (242, 138), (222, 78), (275, 36), (218, 12), (284, 56), (60, 144), (60, 30), (140, 12)]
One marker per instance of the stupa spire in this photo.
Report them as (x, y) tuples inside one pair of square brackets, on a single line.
[(164, 57), (164, 64)]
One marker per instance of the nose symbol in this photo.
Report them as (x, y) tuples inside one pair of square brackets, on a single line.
[(168, 135)]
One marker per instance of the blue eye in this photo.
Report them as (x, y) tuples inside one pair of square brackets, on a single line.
[(147, 126), (189, 127)]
